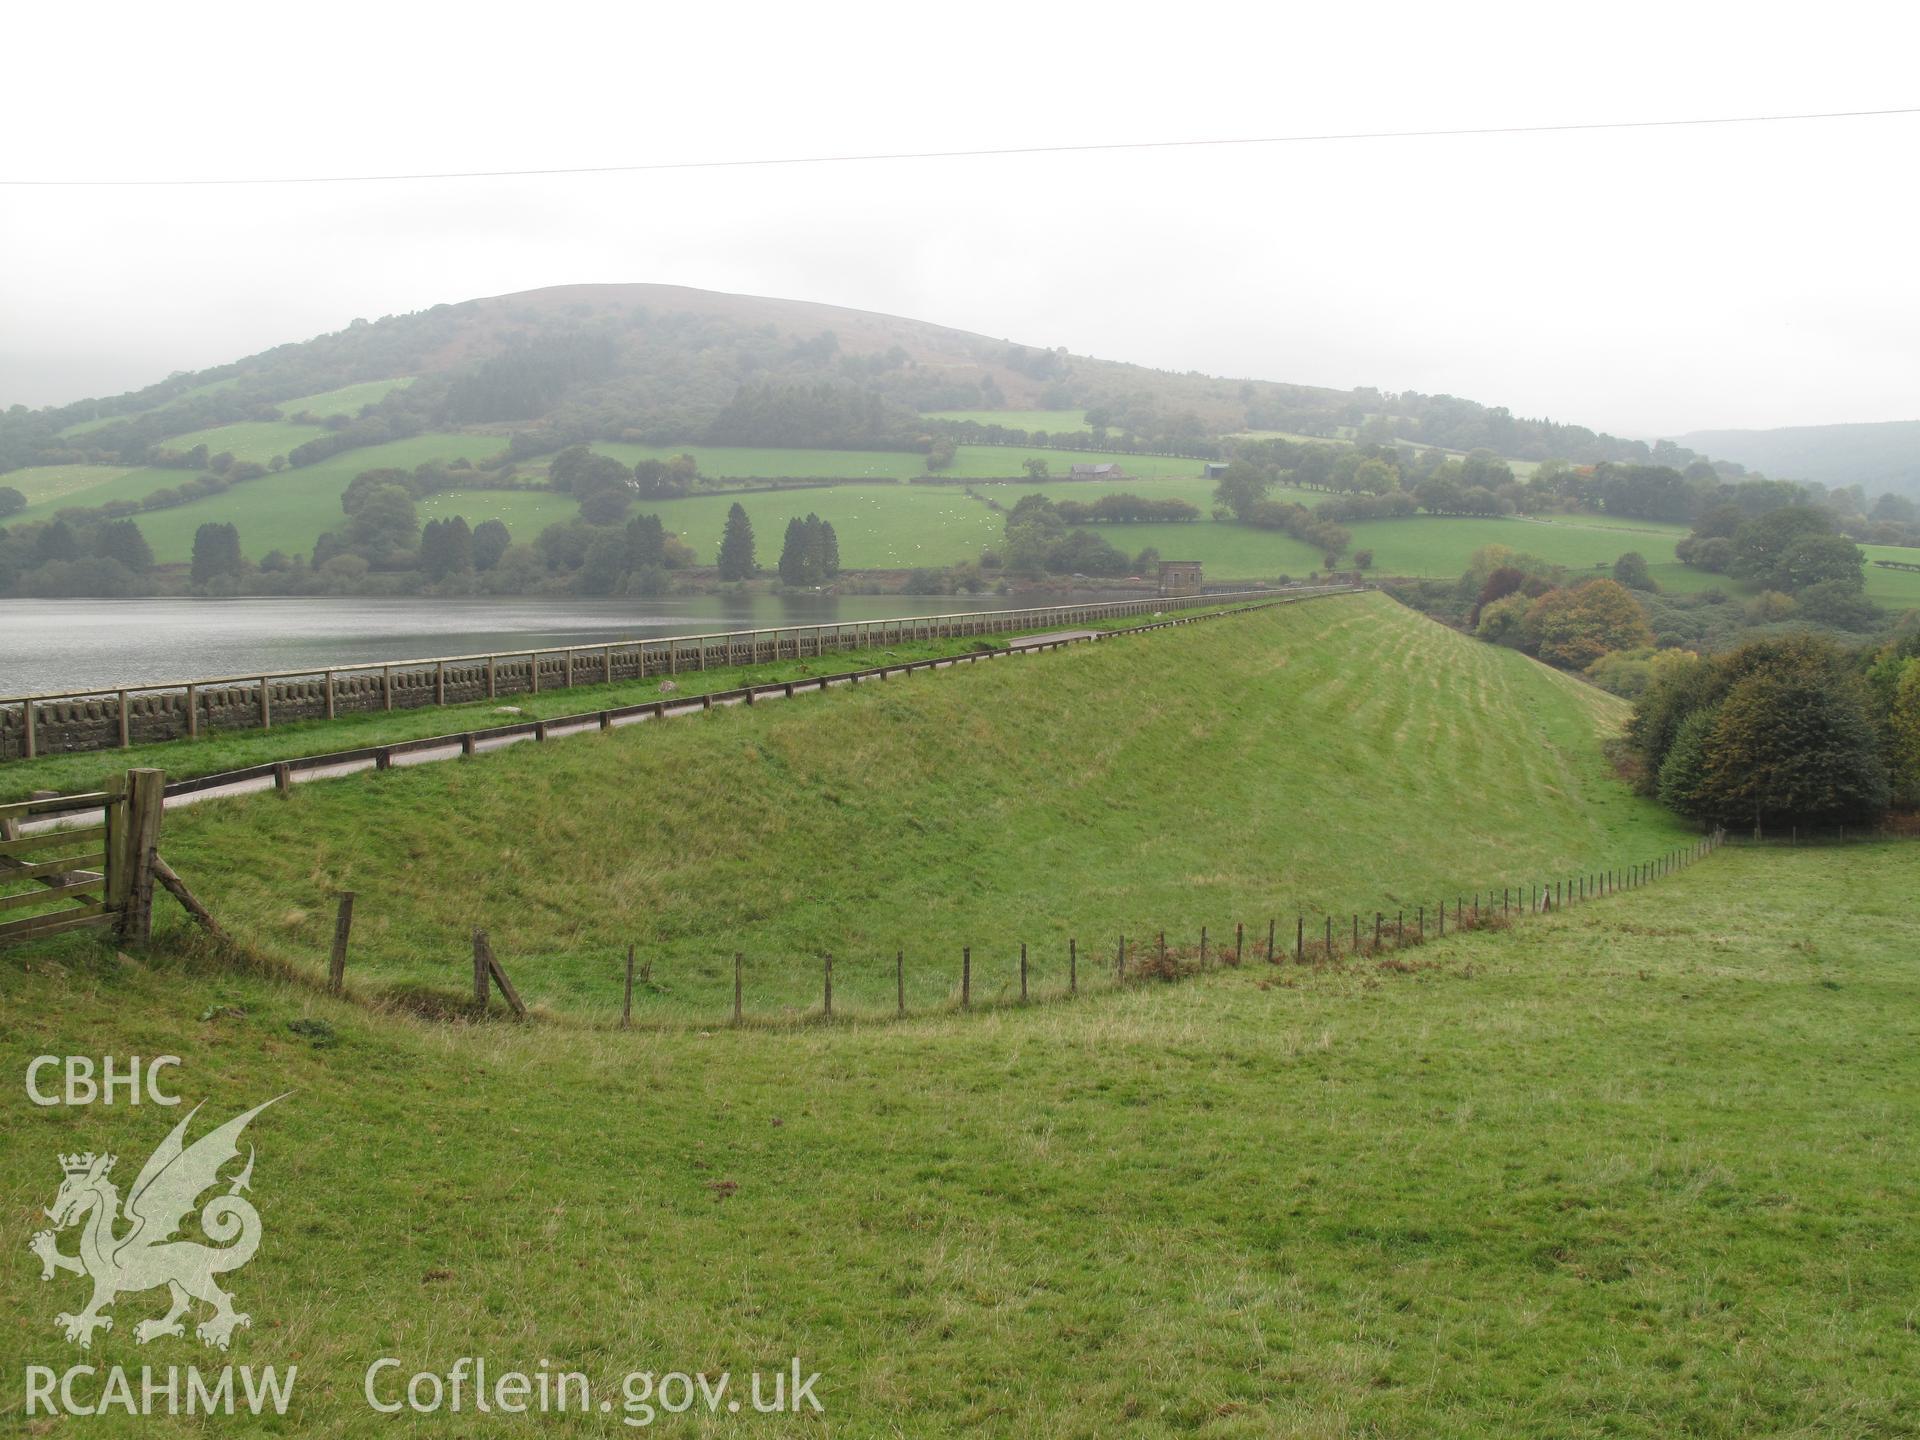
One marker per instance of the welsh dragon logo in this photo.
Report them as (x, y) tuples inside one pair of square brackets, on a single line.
[(145, 1255)]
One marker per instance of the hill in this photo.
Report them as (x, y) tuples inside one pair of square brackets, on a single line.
[(1253, 767), (1666, 1129), (1878, 457), (671, 365)]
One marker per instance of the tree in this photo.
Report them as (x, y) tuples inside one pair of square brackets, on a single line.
[(793, 553), (446, 548), (646, 543), (490, 541), (829, 551), (121, 540), (1903, 733), (1363, 559), (1085, 553), (216, 553), (605, 563), (736, 560), (659, 480), (1241, 486), (56, 542), (1822, 560), (1033, 529), (385, 525), (1503, 621), (1575, 627), (1631, 571), (810, 553), (1035, 466), (12, 502), (606, 507), (1836, 603), (1760, 545), (1682, 785), (1793, 744)]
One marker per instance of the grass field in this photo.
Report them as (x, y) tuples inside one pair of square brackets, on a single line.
[(258, 440), (347, 400), (286, 511), (1641, 1169), (878, 527), (1899, 589), (971, 462), (1054, 422), (1221, 773), (112, 483), (197, 392), (51, 486)]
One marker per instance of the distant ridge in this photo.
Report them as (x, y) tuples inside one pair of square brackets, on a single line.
[(1877, 456)]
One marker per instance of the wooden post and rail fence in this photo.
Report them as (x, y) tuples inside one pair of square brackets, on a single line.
[(98, 874), (118, 717)]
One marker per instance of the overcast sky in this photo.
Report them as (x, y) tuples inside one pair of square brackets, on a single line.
[(1645, 282)]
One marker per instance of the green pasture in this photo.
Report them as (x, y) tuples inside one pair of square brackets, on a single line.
[(55, 485), (258, 440), (347, 400), (1640, 1169), (289, 510), (113, 482), (971, 462), (1054, 422)]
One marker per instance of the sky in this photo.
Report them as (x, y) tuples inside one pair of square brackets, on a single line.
[(1643, 282)]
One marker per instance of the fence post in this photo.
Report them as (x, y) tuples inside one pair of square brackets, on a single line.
[(342, 928), (966, 977), (480, 969), (827, 1001), (1329, 939), (146, 792), (1239, 943), (1023, 972), (1203, 947), (626, 1003), (737, 987), (1073, 967), (1120, 971), (900, 981), (1299, 939)]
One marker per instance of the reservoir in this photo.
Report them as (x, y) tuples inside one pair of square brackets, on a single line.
[(54, 645)]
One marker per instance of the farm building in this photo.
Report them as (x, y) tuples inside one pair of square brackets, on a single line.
[(1214, 469), (1179, 577), (1098, 472)]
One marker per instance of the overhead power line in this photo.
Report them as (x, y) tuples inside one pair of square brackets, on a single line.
[(991, 153)]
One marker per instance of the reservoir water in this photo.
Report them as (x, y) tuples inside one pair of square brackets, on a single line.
[(53, 645)]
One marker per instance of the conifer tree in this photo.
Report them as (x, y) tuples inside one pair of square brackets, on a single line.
[(736, 560), (793, 554)]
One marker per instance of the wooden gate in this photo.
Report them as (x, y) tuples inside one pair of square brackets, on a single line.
[(75, 862)]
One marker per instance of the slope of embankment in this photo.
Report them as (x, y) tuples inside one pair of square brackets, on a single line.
[(1341, 755)]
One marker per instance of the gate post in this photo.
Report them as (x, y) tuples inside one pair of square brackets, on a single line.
[(130, 860)]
